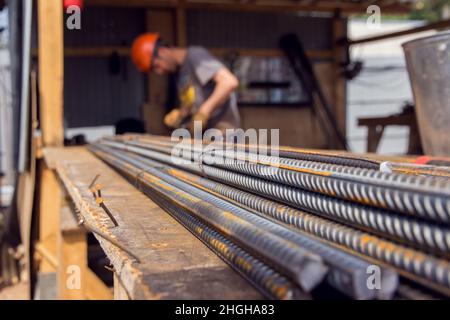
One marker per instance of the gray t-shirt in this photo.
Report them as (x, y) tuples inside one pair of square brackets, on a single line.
[(195, 84)]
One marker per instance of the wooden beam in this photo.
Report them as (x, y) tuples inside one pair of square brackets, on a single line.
[(45, 254), (162, 21), (73, 252), (106, 51), (376, 126), (72, 266), (431, 26), (96, 288), (374, 135), (120, 292), (51, 60), (339, 90), (148, 4), (72, 257), (49, 208), (258, 5), (96, 51)]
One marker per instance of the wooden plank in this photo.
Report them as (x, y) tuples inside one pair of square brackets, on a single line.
[(339, 83), (377, 125), (72, 257), (98, 51), (96, 288), (374, 137), (106, 51), (401, 119), (43, 253), (290, 6), (257, 5), (49, 209), (149, 4), (154, 111), (119, 291), (68, 222), (174, 263), (72, 252), (444, 24), (51, 59), (72, 266)]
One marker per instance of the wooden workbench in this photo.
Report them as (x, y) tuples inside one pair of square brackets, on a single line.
[(174, 264)]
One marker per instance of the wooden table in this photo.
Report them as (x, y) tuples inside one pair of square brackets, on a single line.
[(174, 264), (376, 128)]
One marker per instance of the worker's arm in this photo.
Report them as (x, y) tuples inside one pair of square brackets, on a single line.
[(226, 83)]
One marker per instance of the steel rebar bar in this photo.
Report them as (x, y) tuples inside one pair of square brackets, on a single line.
[(345, 211)]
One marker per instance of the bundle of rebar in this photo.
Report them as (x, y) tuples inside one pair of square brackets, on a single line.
[(293, 221)]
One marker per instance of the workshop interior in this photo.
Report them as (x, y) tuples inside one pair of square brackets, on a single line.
[(224, 150)]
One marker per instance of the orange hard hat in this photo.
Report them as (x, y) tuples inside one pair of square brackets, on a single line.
[(142, 50)]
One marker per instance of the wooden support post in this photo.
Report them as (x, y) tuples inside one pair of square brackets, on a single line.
[(96, 288), (72, 258), (62, 245), (161, 21), (51, 62), (119, 291), (374, 135), (50, 43), (339, 56), (49, 208), (72, 267), (75, 279)]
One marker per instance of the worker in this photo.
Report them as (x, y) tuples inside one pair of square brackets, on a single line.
[(205, 86)]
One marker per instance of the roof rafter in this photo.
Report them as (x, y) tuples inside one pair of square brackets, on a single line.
[(346, 6)]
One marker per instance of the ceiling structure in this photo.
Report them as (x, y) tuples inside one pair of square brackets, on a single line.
[(346, 6)]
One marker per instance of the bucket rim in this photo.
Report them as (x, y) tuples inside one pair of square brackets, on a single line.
[(444, 35)]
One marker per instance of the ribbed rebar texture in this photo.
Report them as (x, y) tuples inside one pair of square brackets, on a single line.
[(301, 266), (347, 274), (420, 196), (411, 231), (269, 282), (300, 218)]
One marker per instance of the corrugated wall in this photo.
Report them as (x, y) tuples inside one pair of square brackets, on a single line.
[(231, 29), (93, 94), (248, 30), (95, 97)]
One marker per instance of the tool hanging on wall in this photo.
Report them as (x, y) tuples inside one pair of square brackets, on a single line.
[(302, 66)]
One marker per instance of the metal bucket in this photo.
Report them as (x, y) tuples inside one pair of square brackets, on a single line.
[(428, 62)]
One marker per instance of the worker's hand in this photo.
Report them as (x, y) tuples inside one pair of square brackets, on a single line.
[(174, 119), (201, 119)]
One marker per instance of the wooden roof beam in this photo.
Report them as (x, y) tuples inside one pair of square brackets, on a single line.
[(257, 5), (430, 26)]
